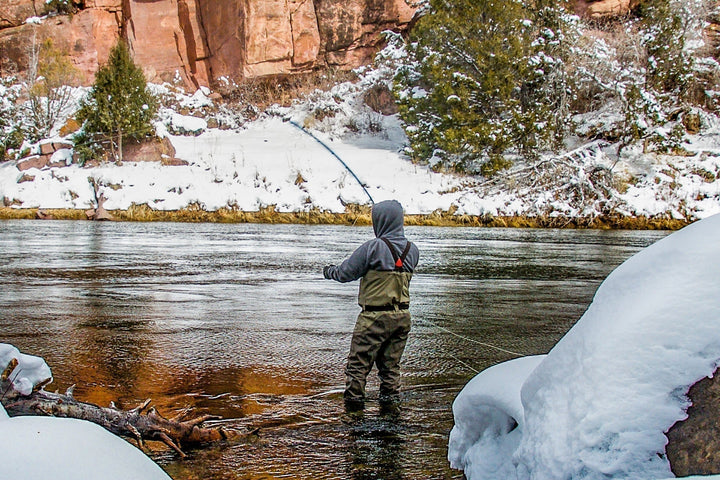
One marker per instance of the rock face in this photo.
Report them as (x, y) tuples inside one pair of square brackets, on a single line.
[(694, 444), (199, 41)]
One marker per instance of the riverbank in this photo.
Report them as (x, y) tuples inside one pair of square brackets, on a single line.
[(354, 215)]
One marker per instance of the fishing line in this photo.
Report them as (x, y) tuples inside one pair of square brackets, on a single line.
[(470, 339), (302, 129)]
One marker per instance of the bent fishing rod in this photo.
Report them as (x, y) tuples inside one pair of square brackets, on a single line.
[(302, 129)]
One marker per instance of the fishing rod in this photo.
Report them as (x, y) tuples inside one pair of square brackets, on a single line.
[(302, 129)]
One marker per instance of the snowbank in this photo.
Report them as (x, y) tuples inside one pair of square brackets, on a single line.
[(598, 405), (37, 448)]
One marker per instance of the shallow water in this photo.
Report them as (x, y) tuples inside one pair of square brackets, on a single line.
[(237, 321)]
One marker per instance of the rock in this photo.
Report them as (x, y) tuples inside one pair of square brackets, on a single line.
[(200, 40), (604, 8), (694, 444), (50, 147), (86, 37), (351, 29), (42, 215), (153, 150), (381, 100), (35, 161), (13, 13)]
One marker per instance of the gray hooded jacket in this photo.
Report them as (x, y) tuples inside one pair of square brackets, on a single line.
[(387, 219)]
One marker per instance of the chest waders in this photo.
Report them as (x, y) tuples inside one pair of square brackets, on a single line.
[(381, 330)]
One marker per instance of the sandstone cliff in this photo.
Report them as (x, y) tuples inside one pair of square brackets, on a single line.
[(199, 41)]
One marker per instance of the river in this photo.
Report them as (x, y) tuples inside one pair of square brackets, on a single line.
[(237, 321)]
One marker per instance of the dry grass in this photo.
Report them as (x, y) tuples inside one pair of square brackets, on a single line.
[(354, 215)]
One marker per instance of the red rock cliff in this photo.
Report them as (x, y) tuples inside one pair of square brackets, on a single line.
[(203, 40)]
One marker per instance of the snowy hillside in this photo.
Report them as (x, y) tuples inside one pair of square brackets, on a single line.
[(269, 161)]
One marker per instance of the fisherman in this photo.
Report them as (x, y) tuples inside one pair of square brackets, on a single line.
[(385, 265)]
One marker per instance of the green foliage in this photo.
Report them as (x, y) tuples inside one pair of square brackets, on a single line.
[(483, 80), (669, 63), (87, 148), (119, 104)]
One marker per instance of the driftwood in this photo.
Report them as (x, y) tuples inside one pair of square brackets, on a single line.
[(98, 213), (141, 423)]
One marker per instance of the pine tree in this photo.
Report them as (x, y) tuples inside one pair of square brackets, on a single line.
[(479, 86), (119, 104)]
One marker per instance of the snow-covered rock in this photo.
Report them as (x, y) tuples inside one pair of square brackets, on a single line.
[(39, 448), (29, 372), (599, 404)]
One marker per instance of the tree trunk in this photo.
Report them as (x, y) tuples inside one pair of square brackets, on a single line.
[(120, 145), (141, 423)]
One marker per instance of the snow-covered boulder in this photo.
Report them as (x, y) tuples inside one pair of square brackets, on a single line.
[(39, 448), (488, 408), (599, 404)]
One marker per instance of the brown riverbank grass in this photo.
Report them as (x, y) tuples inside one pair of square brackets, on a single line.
[(354, 215)]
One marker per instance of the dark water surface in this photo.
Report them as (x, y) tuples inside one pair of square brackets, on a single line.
[(236, 321)]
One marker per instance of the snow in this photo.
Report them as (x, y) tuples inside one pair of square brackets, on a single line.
[(259, 165), (30, 371), (251, 165), (597, 406), (36, 448)]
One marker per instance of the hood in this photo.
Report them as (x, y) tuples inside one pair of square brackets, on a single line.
[(387, 219)]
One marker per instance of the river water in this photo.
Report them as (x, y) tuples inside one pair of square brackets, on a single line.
[(237, 321)]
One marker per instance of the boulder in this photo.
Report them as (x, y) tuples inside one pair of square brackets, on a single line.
[(604, 8), (154, 150), (34, 161), (694, 444)]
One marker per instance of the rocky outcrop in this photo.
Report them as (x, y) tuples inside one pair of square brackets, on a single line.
[(86, 37), (199, 41), (604, 8), (52, 154), (694, 444), (13, 13)]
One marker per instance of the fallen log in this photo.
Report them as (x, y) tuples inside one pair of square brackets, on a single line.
[(141, 423)]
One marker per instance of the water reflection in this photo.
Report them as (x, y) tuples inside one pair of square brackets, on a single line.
[(235, 320)]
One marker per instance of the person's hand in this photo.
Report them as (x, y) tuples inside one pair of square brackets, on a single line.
[(326, 270)]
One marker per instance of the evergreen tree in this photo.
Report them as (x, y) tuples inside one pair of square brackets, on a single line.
[(119, 104), (479, 85)]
